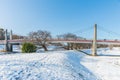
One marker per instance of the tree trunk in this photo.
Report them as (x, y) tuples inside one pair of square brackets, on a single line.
[(45, 48)]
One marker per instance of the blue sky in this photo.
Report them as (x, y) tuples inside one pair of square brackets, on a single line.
[(60, 16)]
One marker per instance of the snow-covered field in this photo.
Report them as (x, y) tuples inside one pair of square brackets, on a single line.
[(61, 65), (106, 66)]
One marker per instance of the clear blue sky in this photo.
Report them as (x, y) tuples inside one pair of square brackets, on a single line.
[(59, 16)]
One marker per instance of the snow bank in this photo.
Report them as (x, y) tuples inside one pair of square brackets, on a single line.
[(60, 65)]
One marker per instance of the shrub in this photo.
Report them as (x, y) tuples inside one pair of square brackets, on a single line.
[(28, 48)]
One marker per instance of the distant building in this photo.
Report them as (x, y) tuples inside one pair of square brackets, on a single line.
[(2, 37)]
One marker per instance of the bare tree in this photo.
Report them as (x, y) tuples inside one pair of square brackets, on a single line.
[(15, 36), (60, 37), (70, 36), (67, 36), (41, 37)]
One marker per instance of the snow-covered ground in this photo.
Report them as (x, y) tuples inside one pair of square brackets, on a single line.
[(61, 65), (106, 66), (51, 48)]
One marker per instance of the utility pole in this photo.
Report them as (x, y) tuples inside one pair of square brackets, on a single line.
[(94, 49)]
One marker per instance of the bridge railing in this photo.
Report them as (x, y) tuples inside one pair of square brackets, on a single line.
[(61, 40)]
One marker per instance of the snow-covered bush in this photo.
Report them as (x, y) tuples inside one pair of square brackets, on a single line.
[(28, 48)]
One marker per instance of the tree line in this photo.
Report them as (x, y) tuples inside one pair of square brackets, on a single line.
[(41, 37)]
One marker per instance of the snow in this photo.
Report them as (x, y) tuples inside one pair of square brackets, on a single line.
[(106, 66), (107, 52), (51, 48), (61, 65), (17, 48)]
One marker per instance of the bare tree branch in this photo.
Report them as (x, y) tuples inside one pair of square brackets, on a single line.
[(41, 37)]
